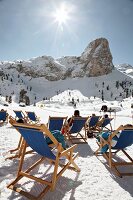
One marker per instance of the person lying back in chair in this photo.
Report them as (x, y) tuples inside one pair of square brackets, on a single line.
[(105, 136), (59, 137), (56, 133), (69, 122)]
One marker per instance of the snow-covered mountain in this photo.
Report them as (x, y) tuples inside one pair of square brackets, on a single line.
[(94, 61), (126, 69), (114, 86), (44, 77)]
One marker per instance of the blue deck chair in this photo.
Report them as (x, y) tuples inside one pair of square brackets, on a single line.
[(74, 132), (3, 116), (16, 152), (93, 121), (35, 136), (124, 140), (56, 123), (104, 124), (20, 115), (32, 117)]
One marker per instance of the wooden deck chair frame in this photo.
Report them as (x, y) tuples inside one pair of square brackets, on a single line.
[(92, 122), (50, 185), (19, 148), (4, 118), (30, 120), (99, 126), (77, 137), (60, 127), (112, 151)]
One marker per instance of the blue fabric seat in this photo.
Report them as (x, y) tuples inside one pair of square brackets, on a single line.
[(104, 124), (56, 123), (123, 138), (78, 124), (19, 114), (35, 136), (37, 141), (93, 121), (3, 115), (32, 117)]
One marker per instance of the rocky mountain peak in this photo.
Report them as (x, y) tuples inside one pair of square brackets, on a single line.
[(97, 58)]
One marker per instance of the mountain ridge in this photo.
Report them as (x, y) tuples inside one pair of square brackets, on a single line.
[(13, 80), (95, 60)]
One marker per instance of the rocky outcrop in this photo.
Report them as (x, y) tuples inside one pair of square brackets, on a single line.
[(96, 60)]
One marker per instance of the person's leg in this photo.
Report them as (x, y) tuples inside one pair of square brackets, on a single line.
[(59, 137)]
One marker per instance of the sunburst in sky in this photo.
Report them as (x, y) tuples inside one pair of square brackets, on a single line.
[(65, 27), (62, 14)]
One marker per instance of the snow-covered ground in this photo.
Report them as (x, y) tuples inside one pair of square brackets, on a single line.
[(95, 181)]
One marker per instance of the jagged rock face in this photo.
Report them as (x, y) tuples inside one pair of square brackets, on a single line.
[(51, 71), (97, 58)]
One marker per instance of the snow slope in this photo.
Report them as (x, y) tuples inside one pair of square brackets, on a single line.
[(39, 88), (95, 181)]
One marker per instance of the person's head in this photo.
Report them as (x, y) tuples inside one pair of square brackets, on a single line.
[(93, 114), (104, 108), (76, 113), (106, 116)]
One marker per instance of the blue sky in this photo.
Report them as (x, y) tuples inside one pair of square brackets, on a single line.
[(28, 28)]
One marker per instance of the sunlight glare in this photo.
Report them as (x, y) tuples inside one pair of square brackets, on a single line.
[(62, 14)]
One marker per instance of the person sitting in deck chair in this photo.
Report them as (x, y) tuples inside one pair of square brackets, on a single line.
[(70, 122), (102, 118), (56, 133), (59, 137), (105, 136), (76, 114)]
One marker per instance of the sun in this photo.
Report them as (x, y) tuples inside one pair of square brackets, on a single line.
[(61, 15)]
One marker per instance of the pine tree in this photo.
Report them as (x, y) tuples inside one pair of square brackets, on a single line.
[(117, 84), (6, 98), (22, 95), (127, 92), (108, 87), (102, 96), (10, 99), (27, 100)]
